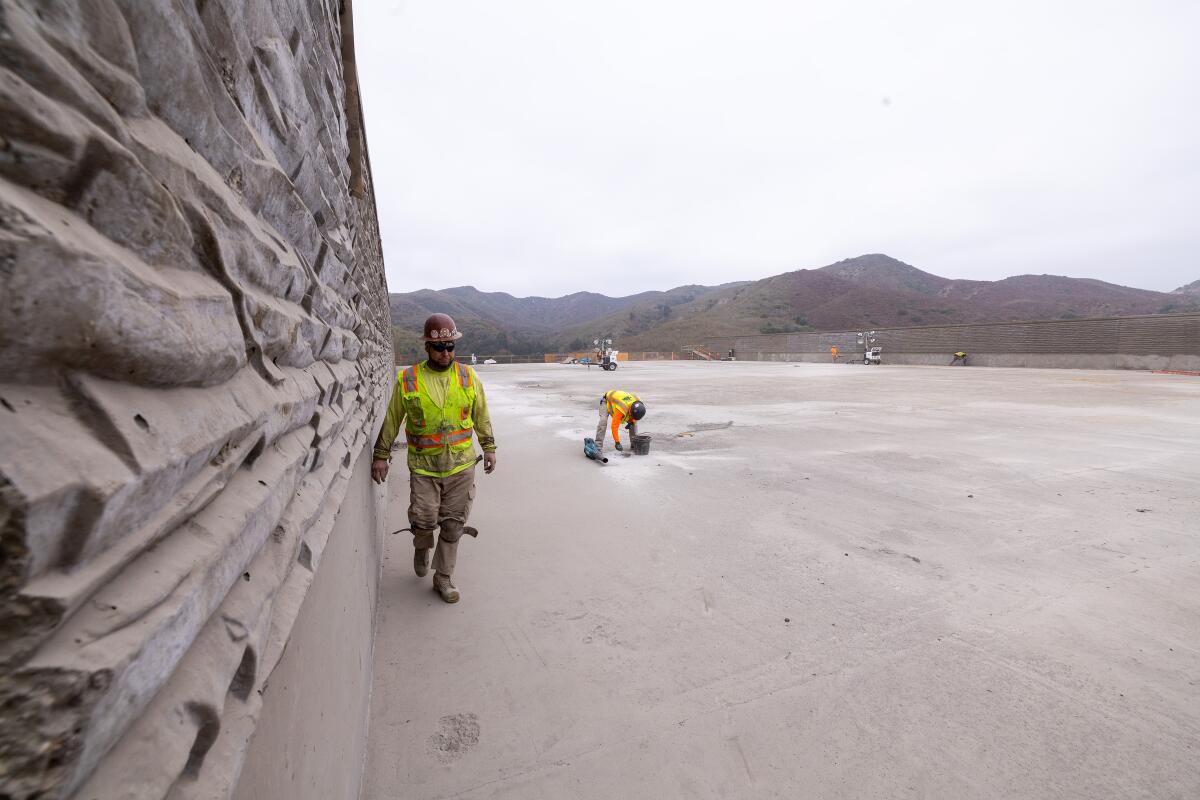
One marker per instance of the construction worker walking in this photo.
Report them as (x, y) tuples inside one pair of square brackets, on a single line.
[(441, 404), (620, 406)]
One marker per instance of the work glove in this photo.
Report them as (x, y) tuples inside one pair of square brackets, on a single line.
[(619, 446)]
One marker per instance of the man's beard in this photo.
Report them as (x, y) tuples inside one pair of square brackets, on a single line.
[(439, 367)]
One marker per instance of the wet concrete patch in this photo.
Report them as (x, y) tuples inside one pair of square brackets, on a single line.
[(701, 427)]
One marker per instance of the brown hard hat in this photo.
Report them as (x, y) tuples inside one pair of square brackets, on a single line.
[(440, 328)]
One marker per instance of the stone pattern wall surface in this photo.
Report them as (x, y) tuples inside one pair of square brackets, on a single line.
[(194, 351), (1145, 342)]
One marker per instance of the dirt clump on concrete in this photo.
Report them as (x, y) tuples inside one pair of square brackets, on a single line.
[(459, 733)]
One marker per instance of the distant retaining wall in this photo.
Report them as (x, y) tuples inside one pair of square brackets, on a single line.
[(654, 355), (1147, 342), (555, 358), (194, 355)]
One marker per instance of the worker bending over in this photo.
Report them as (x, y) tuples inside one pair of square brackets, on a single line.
[(622, 407)]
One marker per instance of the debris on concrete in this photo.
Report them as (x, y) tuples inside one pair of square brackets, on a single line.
[(457, 734)]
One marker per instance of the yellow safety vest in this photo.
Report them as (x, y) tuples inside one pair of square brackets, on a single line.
[(620, 400), (430, 428)]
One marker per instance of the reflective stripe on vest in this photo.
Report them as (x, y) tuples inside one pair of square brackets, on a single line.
[(614, 402), (411, 385), (439, 439), (464, 376)]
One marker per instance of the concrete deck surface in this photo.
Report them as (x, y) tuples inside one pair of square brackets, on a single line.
[(883, 582)]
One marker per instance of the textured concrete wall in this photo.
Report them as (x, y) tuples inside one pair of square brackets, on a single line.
[(1154, 342), (311, 737), (194, 350)]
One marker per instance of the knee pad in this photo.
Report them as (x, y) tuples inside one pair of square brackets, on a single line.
[(451, 531)]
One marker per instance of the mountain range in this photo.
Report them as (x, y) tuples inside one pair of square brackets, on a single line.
[(869, 290)]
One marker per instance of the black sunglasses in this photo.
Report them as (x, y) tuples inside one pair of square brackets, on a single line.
[(442, 347)]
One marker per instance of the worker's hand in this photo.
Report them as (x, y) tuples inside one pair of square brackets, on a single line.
[(489, 462), (379, 470), (619, 447)]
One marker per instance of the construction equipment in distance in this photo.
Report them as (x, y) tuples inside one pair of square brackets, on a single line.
[(872, 354), (606, 356)]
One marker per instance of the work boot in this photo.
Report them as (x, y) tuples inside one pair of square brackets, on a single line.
[(421, 561), (445, 588)]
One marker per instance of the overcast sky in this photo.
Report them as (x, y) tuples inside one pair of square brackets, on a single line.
[(548, 146)]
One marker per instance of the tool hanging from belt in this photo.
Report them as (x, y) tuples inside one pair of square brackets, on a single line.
[(467, 529)]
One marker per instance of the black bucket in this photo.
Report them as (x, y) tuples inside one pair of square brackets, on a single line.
[(641, 444)]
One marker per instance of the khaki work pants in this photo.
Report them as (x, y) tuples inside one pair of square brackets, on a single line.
[(602, 427), (443, 504)]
